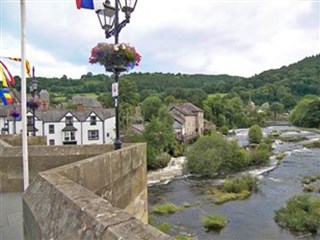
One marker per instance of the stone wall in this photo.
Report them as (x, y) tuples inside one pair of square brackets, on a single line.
[(40, 158), (16, 140), (102, 197)]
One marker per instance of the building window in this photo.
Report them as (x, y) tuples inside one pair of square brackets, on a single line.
[(51, 128), (51, 142), (108, 134), (30, 120), (93, 134), (69, 121), (93, 120), (69, 136)]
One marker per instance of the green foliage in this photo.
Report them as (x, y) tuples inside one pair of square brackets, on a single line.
[(166, 208), (214, 222), (255, 134), (313, 144), (236, 185), (212, 155), (260, 155), (164, 227), (301, 214), (206, 155), (307, 113), (224, 130), (160, 138), (150, 107), (183, 237)]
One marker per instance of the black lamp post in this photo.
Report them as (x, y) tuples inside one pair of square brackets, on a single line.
[(109, 21), (33, 89)]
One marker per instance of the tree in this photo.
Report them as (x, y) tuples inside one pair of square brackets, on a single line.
[(307, 112), (159, 137), (276, 108), (150, 107), (255, 134)]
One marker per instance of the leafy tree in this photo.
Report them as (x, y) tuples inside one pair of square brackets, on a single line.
[(307, 112), (276, 108), (128, 92), (255, 134), (159, 137), (150, 107), (106, 100)]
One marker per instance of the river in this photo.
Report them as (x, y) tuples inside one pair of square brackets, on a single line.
[(250, 219)]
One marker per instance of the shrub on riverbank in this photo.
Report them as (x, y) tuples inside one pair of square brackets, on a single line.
[(301, 214), (260, 155), (213, 155), (255, 134), (214, 222)]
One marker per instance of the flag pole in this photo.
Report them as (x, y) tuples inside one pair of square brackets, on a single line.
[(24, 98)]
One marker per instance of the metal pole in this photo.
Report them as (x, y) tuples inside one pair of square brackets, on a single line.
[(33, 93), (23, 99), (117, 142)]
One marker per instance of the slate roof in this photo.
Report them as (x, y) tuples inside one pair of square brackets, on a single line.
[(55, 115), (86, 102), (188, 109)]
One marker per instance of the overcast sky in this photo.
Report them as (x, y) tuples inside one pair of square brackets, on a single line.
[(239, 37)]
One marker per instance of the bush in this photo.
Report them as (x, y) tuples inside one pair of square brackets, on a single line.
[(301, 214), (255, 134), (260, 155), (206, 155), (214, 222), (236, 185), (166, 208), (224, 130)]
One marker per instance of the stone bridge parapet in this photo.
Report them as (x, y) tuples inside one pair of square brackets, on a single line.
[(102, 197)]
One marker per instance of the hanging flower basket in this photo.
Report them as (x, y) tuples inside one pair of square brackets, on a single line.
[(15, 114), (33, 104), (119, 57)]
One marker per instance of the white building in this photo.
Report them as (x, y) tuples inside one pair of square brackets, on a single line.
[(63, 127)]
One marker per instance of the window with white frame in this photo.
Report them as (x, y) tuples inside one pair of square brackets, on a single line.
[(51, 128), (93, 120), (30, 120), (69, 121), (69, 136), (51, 142), (93, 134)]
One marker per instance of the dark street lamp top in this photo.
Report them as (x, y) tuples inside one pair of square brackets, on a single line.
[(34, 83), (108, 17)]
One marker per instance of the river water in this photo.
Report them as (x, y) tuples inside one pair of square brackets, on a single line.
[(250, 219)]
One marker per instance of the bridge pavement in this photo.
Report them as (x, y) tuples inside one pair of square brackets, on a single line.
[(11, 216)]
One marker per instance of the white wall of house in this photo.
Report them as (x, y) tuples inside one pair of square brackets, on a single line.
[(55, 135), (109, 130), (92, 132)]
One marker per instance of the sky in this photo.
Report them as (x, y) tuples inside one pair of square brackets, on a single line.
[(238, 37)]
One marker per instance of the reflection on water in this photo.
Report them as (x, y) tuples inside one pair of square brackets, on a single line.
[(247, 219)]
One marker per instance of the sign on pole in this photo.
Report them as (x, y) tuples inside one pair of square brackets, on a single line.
[(115, 91)]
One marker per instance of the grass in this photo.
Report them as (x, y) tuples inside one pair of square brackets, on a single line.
[(311, 183), (234, 189), (292, 139), (214, 222), (281, 156), (164, 227), (222, 197), (301, 214), (166, 208), (184, 237), (314, 144)]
